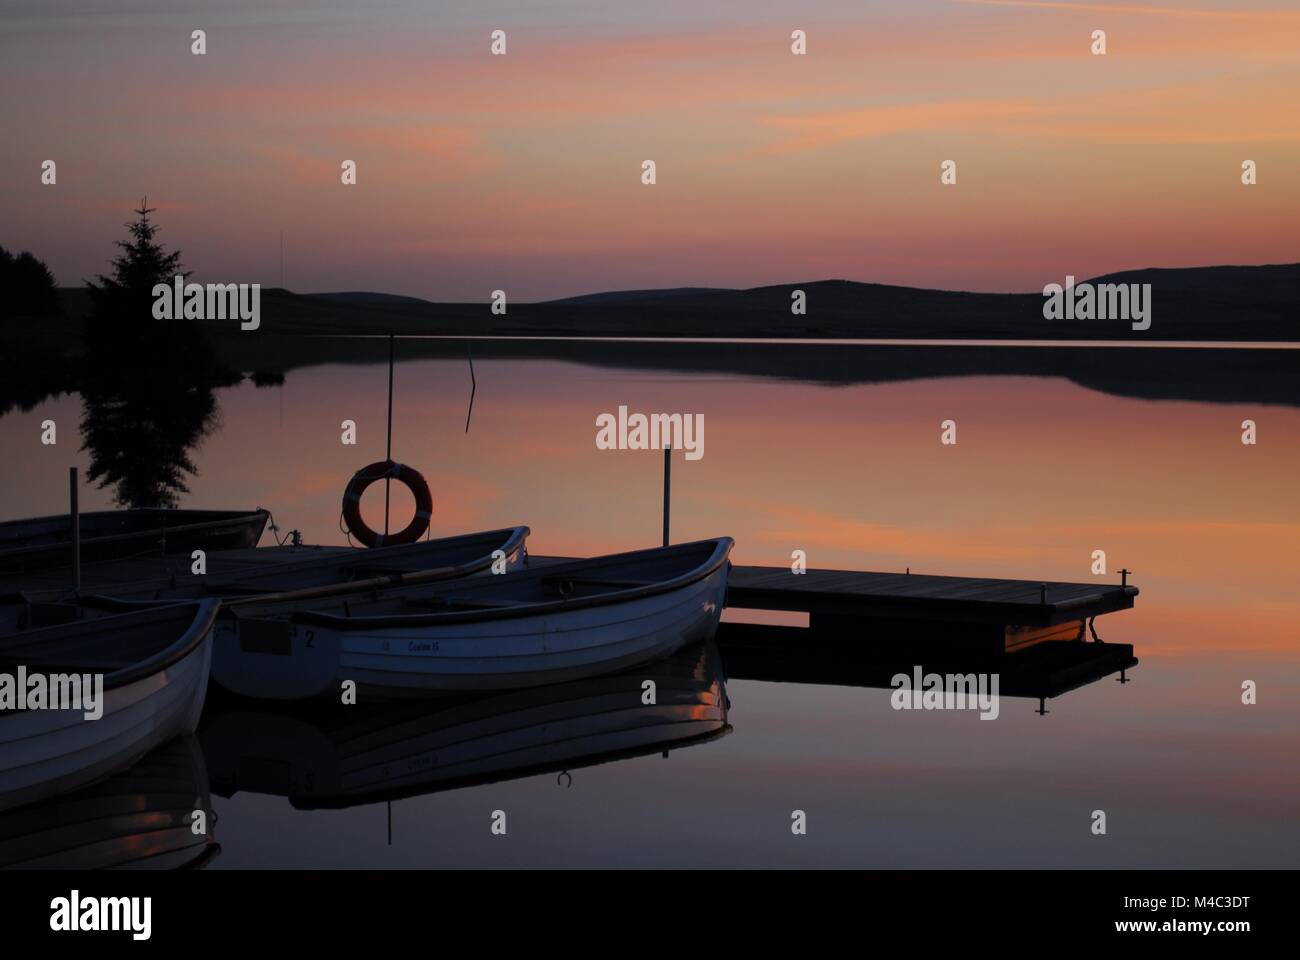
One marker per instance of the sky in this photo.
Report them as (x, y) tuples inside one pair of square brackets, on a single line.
[(522, 172)]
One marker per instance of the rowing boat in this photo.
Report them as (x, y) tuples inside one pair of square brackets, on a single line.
[(42, 542), (537, 625), (150, 668), (298, 573)]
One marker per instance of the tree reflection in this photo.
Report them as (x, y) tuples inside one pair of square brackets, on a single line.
[(146, 384)]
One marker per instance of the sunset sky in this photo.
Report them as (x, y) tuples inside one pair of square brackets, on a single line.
[(522, 172)]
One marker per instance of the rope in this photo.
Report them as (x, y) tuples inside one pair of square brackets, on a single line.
[(275, 529)]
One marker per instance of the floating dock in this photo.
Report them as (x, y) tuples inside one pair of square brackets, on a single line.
[(996, 615)]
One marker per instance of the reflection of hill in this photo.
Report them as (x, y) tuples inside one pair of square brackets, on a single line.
[(1203, 374), (1197, 304)]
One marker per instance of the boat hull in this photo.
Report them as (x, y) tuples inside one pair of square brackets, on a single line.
[(490, 654), (44, 753)]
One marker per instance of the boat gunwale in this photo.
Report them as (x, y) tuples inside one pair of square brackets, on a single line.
[(517, 540), (717, 559), (201, 623), (36, 549)]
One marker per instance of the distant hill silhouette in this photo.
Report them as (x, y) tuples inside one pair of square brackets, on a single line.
[(1200, 304), (365, 295), (627, 296), (1259, 303)]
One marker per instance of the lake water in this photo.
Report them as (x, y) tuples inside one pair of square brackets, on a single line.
[(1044, 473)]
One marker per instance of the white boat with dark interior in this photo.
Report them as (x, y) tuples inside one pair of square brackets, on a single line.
[(538, 625), (153, 665)]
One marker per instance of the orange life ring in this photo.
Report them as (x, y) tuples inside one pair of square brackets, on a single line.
[(362, 479)]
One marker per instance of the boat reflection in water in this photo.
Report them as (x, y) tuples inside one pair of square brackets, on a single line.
[(326, 755), (142, 817)]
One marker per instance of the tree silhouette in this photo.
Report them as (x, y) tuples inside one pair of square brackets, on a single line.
[(146, 383), (27, 288), (34, 353)]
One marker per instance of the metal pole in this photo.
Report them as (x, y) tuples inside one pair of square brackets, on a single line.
[(388, 454), (75, 509), (668, 484)]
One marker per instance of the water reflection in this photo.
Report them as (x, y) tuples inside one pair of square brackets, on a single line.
[(147, 401), (1040, 671), (341, 756), (141, 817)]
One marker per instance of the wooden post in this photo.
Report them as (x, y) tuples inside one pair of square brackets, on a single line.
[(668, 484), (388, 449), (74, 508)]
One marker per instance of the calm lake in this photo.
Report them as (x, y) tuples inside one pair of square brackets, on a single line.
[(1044, 473)]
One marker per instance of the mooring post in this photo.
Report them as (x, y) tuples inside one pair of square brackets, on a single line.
[(388, 449), (74, 508), (668, 482), (1123, 577)]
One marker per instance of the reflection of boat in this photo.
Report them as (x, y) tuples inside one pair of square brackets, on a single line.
[(142, 817), (541, 625), (154, 668), (47, 541), (1042, 671), (339, 756)]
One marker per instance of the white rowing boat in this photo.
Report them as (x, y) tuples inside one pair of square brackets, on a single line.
[(538, 625), (38, 543), (153, 666)]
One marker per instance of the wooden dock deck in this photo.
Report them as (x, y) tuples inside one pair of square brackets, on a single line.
[(904, 596), (960, 611)]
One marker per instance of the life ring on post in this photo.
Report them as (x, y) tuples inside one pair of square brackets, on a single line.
[(367, 475)]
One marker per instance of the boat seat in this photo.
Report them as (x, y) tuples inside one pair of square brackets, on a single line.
[(364, 571), (81, 665), (460, 603), (557, 579)]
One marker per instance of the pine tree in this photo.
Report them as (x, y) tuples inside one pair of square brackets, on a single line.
[(147, 383), (142, 262)]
